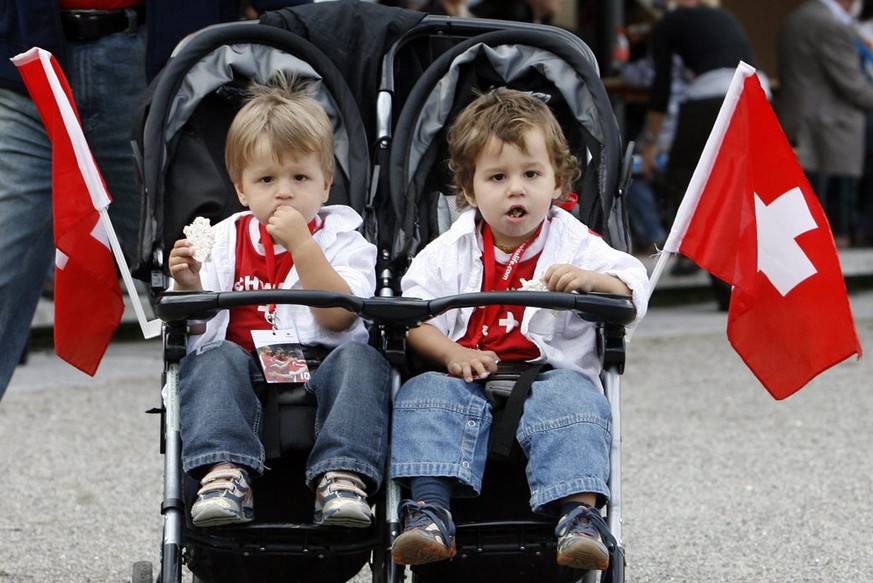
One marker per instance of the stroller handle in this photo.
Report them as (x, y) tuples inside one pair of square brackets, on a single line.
[(177, 306), (594, 307)]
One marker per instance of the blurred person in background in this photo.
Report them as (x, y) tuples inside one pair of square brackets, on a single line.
[(823, 101), (537, 11)]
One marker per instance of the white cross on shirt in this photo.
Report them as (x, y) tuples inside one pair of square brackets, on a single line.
[(509, 322)]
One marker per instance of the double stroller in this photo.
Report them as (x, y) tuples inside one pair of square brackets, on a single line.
[(391, 81)]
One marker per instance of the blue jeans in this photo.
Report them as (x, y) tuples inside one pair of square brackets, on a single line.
[(221, 415), (107, 77), (645, 219), (441, 426)]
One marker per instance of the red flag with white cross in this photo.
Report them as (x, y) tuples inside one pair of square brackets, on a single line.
[(750, 218), (88, 303)]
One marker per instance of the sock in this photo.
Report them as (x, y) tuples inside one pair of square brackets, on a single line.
[(432, 490), (568, 507)]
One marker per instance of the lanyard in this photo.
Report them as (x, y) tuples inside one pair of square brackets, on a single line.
[(276, 273), (490, 282)]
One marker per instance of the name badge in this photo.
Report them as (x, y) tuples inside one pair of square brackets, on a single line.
[(281, 356)]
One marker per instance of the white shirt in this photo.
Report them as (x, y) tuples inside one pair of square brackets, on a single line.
[(451, 264), (353, 258)]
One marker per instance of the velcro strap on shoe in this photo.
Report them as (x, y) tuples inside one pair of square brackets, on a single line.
[(222, 479), (215, 486), (343, 482)]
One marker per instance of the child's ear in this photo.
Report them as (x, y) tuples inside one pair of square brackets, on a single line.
[(470, 199), (559, 189), (243, 199), (328, 182)]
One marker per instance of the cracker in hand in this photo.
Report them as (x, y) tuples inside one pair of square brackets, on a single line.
[(200, 234), (536, 284)]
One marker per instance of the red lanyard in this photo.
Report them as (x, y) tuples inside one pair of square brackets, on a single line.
[(276, 273), (490, 282)]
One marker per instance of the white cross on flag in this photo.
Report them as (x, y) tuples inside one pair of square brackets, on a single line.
[(88, 303), (750, 218)]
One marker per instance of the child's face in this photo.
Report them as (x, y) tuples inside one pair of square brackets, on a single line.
[(293, 179), (514, 190)]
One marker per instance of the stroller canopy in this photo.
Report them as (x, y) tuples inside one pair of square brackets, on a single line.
[(191, 105), (557, 67)]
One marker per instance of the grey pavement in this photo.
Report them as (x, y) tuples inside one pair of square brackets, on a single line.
[(721, 482)]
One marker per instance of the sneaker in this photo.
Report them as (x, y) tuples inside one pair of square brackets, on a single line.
[(579, 543), (224, 498), (428, 534), (340, 500)]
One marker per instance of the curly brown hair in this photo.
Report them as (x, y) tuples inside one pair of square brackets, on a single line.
[(506, 114)]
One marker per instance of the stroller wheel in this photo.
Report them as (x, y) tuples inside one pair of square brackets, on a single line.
[(142, 572)]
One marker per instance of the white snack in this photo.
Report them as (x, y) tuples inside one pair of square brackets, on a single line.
[(537, 284), (200, 234)]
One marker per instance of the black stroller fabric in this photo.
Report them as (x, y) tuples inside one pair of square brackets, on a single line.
[(353, 35), (185, 120), (529, 60)]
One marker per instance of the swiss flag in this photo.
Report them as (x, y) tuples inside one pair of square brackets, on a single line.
[(751, 219), (88, 303)]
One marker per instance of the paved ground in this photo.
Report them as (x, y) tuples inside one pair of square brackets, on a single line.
[(721, 482)]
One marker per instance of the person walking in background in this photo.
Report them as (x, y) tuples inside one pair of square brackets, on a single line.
[(822, 104), (109, 50), (864, 40), (103, 53)]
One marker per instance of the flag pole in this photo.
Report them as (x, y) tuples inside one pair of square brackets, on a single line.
[(150, 328), (698, 179), (701, 173), (91, 175)]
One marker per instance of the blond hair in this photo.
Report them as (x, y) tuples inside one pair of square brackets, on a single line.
[(506, 114), (284, 110)]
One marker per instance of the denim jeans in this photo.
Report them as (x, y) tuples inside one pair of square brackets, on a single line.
[(441, 426), (221, 415), (107, 77), (645, 219)]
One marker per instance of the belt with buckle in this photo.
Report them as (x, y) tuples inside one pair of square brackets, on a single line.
[(86, 25)]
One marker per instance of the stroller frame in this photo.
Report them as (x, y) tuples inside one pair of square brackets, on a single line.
[(390, 318), (392, 314)]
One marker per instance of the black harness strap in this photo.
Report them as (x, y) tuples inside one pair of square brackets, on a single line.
[(503, 429)]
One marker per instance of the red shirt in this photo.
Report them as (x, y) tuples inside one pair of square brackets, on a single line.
[(251, 273), (504, 331), (498, 328)]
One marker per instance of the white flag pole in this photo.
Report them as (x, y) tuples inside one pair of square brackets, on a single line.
[(701, 172), (90, 173), (698, 179), (150, 328)]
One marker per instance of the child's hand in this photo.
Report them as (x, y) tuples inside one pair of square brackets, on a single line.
[(470, 364), (563, 277), (184, 269), (288, 228)]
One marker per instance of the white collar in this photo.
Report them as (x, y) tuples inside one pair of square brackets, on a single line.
[(840, 14)]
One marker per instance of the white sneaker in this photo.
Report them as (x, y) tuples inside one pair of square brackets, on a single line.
[(224, 498), (340, 500)]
